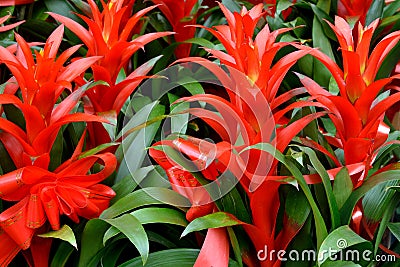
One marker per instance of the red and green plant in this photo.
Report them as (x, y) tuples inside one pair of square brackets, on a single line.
[(196, 133)]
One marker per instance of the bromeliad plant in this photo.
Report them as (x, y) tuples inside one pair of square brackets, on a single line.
[(262, 139)]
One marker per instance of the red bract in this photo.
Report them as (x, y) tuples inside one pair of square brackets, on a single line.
[(353, 10), (181, 16), (357, 115), (10, 26), (393, 113), (43, 196)]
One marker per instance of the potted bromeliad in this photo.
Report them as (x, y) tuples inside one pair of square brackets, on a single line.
[(199, 133)]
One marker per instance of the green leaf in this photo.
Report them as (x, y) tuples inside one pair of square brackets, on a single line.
[(375, 11), (141, 130), (179, 120), (182, 257), (190, 84), (144, 197), (6, 163), (201, 41), (65, 233), (342, 187), (127, 184), (151, 215), (306, 65), (322, 16), (340, 264), (389, 63), (391, 9), (233, 203), (333, 86), (62, 255), (376, 200), (160, 239), (235, 245), (395, 229), (64, 8), (338, 240), (56, 152), (156, 178), (92, 242), (160, 215), (283, 5), (233, 6), (324, 5), (214, 220), (112, 254), (389, 209), (96, 150), (133, 229), (320, 73), (297, 207), (356, 195), (111, 232)]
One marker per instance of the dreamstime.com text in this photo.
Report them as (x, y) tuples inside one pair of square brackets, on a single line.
[(323, 255)]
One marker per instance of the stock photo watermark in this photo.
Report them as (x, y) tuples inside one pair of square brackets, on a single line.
[(343, 254)]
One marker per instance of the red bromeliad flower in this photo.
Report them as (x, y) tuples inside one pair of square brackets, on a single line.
[(239, 126), (42, 196), (181, 17), (41, 84), (254, 57), (110, 36), (252, 86), (42, 81), (353, 10), (355, 112)]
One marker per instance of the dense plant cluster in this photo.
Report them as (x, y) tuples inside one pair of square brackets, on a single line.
[(199, 133)]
